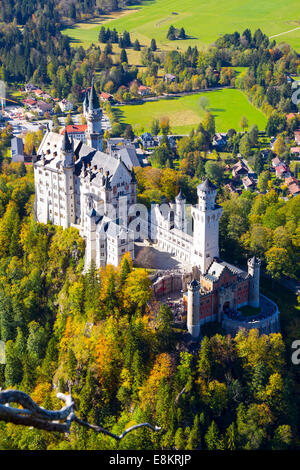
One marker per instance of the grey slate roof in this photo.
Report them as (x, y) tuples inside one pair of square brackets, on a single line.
[(128, 156), (93, 98), (85, 156), (207, 185), (217, 268)]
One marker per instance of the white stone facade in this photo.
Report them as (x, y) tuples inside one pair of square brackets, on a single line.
[(169, 228), (79, 185)]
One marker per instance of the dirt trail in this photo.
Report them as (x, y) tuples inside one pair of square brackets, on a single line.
[(285, 32)]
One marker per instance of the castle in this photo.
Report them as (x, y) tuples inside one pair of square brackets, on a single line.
[(78, 185)]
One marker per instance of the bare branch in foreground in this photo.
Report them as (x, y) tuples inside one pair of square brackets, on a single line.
[(33, 415)]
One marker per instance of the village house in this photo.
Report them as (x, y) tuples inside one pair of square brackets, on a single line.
[(106, 96), (219, 140), (248, 183), (29, 87), (76, 131), (144, 90), (289, 180), (295, 150), (169, 77), (239, 169), (42, 107), (38, 92), (30, 102), (294, 189), (65, 105), (282, 170), (297, 137), (147, 140), (276, 162)]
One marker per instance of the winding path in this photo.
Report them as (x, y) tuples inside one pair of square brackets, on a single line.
[(285, 32)]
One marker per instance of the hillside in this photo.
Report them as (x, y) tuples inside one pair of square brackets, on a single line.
[(203, 21)]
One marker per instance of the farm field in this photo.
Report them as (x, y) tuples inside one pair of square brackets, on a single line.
[(228, 106), (203, 20)]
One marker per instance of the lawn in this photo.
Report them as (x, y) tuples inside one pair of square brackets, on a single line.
[(228, 106), (203, 20)]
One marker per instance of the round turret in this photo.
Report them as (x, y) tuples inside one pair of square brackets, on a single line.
[(193, 309), (254, 275), (207, 192)]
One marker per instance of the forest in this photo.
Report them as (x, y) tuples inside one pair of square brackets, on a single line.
[(101, 333)]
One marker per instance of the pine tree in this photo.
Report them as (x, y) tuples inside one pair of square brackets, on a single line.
[(182, 34), (171, 33), (123, 56), (212, 437), (126, 39), (231, 437), (155, 129), (180, 440), (102, 35), (153, 46), (194, 437), (136, 45)]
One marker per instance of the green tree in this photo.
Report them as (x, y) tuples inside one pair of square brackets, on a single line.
[(244, 123), (153, 45), (123, 56)]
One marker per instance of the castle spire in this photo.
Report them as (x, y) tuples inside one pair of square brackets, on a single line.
[(93, 117), (93, 98), (66, 145)]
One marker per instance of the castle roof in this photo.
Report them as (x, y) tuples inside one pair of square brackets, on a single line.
[(217, 268), (85, 157), (66, 144), (93, 98), (194, 283), (206, 185), (180, 196)]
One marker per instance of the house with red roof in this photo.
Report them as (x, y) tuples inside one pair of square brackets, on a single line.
[(294, 189), (144, 90), (106, 96), (295, 150), (29, 102), (282, 171), (76, 131), (276, 162)]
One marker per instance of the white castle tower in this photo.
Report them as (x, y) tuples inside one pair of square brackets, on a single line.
[(206, 216), (93, 115), (179, 218), (67, 156), (193, 309), (254, 273)]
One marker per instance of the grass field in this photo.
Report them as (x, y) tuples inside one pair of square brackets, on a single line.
[(228, 106), (203, 20)]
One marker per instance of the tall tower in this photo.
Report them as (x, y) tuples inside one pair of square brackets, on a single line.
[(85, 104), (67, 155), (193, 309), (180, 211), (93, 116), (254, 273), (206, 217)]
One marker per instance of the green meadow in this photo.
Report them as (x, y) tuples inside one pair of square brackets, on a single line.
[(185, 113), (203, 20)]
